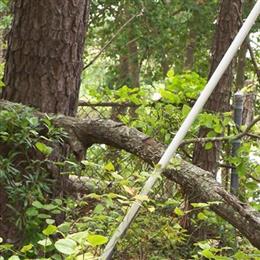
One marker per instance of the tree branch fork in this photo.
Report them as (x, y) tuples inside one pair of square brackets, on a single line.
[(195, 182)]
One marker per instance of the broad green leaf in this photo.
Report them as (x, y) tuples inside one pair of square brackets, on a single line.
[(44, 216), (14, 257), (43, 148), (50, 230), (79, 236), (49, 206), (66, 246), (96, 240), (37, 204), (241, 256), (32, 212), (203, 244), (207, 253), (179, 212), (45, 242), (64, 227), (26, 248), (50, 221)]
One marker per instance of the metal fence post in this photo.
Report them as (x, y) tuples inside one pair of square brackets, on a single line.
[(238, 110)]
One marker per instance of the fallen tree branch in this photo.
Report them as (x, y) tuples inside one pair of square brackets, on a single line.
[(197, 183)]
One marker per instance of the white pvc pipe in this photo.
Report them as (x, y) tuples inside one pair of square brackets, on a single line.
[(168, 154)]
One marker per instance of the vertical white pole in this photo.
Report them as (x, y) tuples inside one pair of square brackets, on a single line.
[(242, 34)]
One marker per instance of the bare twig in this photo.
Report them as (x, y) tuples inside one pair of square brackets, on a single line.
[(253, 60), (112, 39), (223, 138), (253, 178)]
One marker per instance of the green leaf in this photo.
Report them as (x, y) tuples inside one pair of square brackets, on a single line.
[(202, 216), (64, 227), (109, 167), (58, 202), (96, 240), (43, 148), (49, 207), (50, 230), (50, 221), (26, 248), (44, 216), (170, 73), (241, 256), (185, 110), (208, 146), (37, 204), (99, 209), (199, 205), (79, 236), (32, 212), (173, 98), (86, 256), (14, 257), (179, 212), (66, 246), (207, 253), (45, 242)]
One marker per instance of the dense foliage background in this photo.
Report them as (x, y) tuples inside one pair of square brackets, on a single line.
[(148, 76)]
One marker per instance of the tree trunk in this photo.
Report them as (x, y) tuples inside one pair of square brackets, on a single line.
[(241, 66), (191, 42), (227, 27), (43, 67), (44, 56)]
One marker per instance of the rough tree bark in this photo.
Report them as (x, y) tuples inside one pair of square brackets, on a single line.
[(44, 56), (198, 184), (227, 27), (191, 42), (44, 64)]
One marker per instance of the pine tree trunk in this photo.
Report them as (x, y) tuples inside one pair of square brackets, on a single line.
[(227, 28), (44, 56), (43, 67)]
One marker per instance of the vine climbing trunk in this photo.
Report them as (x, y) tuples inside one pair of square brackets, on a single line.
[(219, 101), (44, 56)]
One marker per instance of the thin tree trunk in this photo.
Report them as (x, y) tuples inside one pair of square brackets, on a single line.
[(241, 66), (227, 27), (44, 56), (191, 43)]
